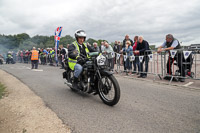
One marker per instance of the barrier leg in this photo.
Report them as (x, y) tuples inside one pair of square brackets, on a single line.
[(173, 66), (195, 66), (161, 63)]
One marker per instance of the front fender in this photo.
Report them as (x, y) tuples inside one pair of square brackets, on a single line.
[(106, 73)]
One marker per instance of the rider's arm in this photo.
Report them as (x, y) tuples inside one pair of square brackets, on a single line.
[(72, 52)]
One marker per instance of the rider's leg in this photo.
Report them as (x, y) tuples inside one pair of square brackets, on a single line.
[(77, 71)]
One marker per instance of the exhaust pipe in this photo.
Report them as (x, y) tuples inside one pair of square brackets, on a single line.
[(88, 85), (69, 84)]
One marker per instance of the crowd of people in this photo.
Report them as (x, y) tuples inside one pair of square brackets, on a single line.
[(129, 48), (45, 56), (140, 47)]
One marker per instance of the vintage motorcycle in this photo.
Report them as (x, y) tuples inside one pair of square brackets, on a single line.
[(95, 79), (9, 60)]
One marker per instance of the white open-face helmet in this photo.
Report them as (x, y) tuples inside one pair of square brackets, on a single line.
[(80, 33)]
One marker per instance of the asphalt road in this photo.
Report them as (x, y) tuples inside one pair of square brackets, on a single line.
[(144, 107)]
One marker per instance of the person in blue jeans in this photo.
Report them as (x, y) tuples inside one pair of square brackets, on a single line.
[(129, 52)]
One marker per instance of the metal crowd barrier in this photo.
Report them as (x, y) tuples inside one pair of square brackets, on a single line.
[(188, 61), (185, 62)]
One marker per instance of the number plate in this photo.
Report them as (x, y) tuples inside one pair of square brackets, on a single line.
[(101, 60)]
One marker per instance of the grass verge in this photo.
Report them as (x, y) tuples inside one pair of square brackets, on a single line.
[(2, 90)]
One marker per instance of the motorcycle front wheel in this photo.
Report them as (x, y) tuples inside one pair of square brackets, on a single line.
[(109, 90)]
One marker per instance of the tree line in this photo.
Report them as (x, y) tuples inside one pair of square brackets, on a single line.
[(24, 41)]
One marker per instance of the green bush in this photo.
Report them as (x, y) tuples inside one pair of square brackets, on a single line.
[(2, 90)]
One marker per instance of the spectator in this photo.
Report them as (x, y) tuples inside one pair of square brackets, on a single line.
[(63, 54), (116, 49), (120, 51), (141, 49), (136, 61), (21, 56), (95, 47), (14, 56), (39, 51), (102, 47), (34, 58), (51, 56), (108, 51), (88, 44), (48, 55), (124, 45), (29, 56), (129, 52), (26, 56), (170, 44), (120, 46), (42, 57), (127, 39), (24, 53)]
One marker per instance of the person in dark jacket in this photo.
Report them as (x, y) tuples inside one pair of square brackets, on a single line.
[(116, 49), (63, 52), (141, 49), (170, 44), (124, 46), (95, 47), (76, 53)]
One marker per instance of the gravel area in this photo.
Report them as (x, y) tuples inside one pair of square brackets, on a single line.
[(21, 111)]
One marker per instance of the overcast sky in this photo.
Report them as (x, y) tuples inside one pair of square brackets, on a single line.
[(104, 19)]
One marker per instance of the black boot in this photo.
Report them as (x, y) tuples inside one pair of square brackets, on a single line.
[(75, 84)]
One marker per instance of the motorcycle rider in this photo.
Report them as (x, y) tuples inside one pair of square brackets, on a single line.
[(51, 56), (77, 51), (9, 58)]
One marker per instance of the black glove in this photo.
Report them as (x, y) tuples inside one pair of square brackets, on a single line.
[(80, 60)]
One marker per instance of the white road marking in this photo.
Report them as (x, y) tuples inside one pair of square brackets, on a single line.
[(188, 84), (20, 67), (37, 70), (28, 68)]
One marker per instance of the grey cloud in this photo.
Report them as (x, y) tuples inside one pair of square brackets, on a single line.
[(104, 19)]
